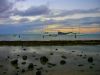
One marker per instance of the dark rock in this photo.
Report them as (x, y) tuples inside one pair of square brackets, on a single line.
[(62, 62), (17, 71), (56, 49), (23, 70), (1, 66), (35, 65), (90, 59), (80, 55), (64, 57), (73, 51), (23, 63), (8, 57), (39, 68), (24, 57), (43, 60), (51, 53), (18, 55), (46, 71), (36, 58), (17, 67), (31, 66), (4, 72), (33, 56), (24, 49), (14, 63), (38, 73), (51, 64), (93, 64), (16, 74), (82, 70), (80, 65), (84, 57), (91, 67)]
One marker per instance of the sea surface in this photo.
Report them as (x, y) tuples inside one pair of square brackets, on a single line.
[(60, 60), (42, 37)]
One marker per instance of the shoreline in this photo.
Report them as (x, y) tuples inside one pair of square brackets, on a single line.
[(50, 43)]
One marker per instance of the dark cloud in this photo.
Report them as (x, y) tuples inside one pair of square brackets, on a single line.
[(20, 0), (5, 8), (38, 24), (24, 24), (68, 22), (77, 11), (23, 20), (87, 21), (33, 11), (19, 27)]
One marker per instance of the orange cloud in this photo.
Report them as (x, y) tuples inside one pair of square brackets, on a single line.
[(77, 30), (89, 30)]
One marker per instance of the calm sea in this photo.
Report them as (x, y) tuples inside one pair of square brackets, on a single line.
[(41, 37)]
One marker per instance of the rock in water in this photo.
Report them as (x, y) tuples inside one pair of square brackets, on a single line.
[(38, 73), (51, 53), (30, 67), (1, 66), (23, 70), (62, 62), (80, 65), (23, 63), (90, 59), (43, 60), (24, 57), (64, 57), (51, 64), (24, 49), (56, 49), (14, 63)]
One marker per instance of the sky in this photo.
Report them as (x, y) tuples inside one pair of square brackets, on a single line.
[(36, 16)]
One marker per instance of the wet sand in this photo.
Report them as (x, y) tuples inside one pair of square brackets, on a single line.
[(50, 60)]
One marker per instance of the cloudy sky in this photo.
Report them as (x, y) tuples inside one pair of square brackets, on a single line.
[(36, 16)]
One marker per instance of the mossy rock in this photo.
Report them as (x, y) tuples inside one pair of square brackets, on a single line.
[(38, 73), (30, 66), (23, 71), (14, 63), (90, 59), (23, 63), (64, 57), (24, 57), (44, 60), (62, 62)]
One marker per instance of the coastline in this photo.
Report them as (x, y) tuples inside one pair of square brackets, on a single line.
[(50, 43)]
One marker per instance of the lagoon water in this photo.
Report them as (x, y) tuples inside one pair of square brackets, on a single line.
[(41, 37), (62, 60)]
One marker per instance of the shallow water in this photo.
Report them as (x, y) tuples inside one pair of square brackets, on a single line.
[(75, 58)]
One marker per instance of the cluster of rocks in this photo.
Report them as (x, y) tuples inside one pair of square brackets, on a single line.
[(44, 60)]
